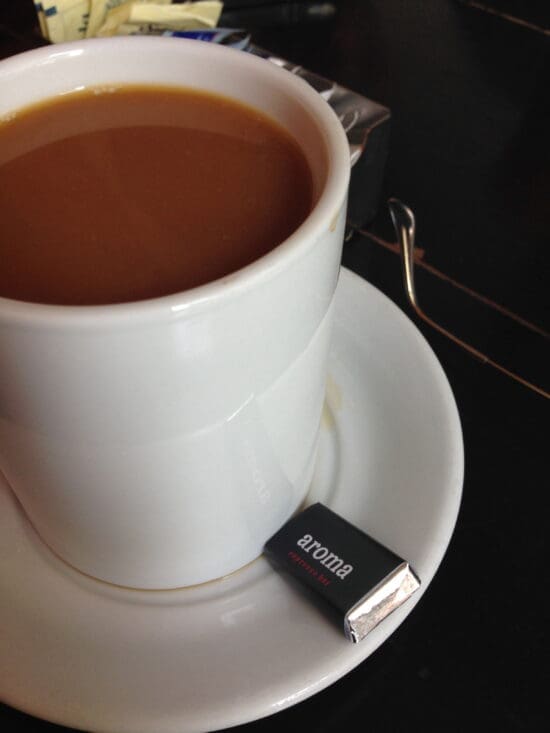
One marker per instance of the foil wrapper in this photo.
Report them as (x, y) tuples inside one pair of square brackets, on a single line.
[(367, 126)]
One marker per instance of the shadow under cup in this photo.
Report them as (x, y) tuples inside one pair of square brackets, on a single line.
[(160, 443)]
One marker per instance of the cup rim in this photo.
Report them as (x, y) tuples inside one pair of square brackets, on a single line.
[(321, 218)]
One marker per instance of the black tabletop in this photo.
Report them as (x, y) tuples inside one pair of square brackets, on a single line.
[(466, 83)]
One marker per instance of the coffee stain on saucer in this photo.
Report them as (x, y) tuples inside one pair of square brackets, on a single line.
[(332, 404), (334, 221)]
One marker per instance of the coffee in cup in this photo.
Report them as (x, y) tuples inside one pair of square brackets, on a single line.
[(144, 191)]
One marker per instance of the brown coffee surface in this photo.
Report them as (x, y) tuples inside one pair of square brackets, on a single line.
[(113, 195)]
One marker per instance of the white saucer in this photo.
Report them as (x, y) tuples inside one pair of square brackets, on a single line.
[(88, 655)]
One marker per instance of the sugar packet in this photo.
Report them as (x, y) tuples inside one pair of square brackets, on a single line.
[(140, 18), (63, 20), (72, 20), (100, 8)]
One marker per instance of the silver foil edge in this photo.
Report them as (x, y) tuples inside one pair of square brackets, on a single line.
[(380, 601), (357, 114)]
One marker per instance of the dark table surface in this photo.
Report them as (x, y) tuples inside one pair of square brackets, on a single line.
[(467, 86)]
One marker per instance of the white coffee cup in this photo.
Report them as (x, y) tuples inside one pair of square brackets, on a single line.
[(158, 444)]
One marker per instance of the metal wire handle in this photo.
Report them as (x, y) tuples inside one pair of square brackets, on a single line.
[(405, 229)]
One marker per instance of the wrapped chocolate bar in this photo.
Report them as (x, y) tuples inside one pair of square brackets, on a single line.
[(360, 579)]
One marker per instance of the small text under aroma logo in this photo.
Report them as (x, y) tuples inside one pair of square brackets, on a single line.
[(327, 558)]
